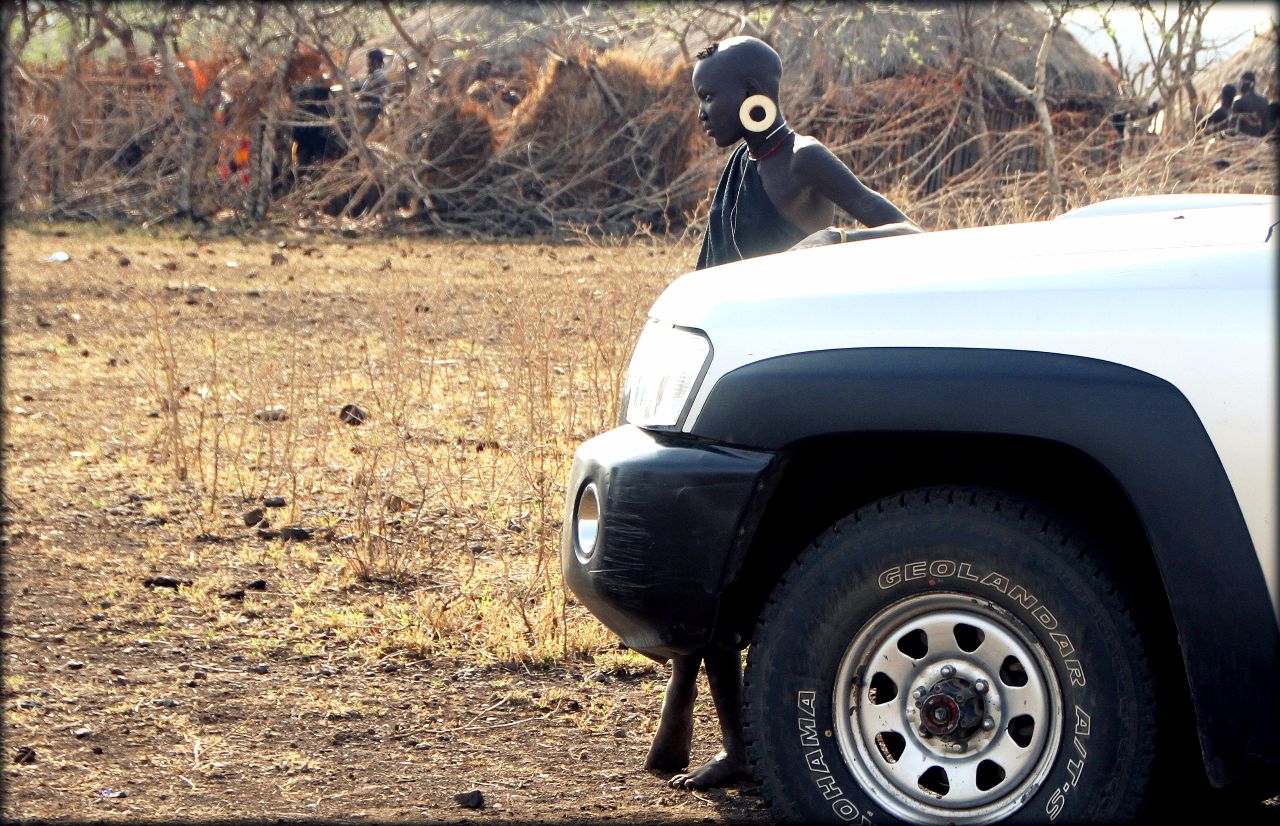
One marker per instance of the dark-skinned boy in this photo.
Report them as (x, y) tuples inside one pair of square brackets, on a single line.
[(779, 191)]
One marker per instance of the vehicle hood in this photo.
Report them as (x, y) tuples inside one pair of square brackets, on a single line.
[(1180, 295), (1105, 253)]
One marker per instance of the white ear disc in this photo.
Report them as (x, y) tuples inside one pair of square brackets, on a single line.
[(762, 102)]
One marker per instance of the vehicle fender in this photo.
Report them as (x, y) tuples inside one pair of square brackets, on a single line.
[(1138, 427)]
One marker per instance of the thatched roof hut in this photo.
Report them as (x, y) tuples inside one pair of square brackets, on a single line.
[(841, 43), (1261, 56)]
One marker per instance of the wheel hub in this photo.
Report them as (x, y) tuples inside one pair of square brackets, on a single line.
[(952, 710)]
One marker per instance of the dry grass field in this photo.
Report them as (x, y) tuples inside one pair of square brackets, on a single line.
[(282, 513), (395, 632)]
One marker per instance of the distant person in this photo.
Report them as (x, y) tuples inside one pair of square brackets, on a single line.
[(1218, 119), (1251, 110), (369, 92)]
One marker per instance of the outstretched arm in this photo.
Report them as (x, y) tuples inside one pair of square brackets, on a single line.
[(816, 167)]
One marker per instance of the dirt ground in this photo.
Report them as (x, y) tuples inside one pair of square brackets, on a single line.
[(168, 658), (264, 679)]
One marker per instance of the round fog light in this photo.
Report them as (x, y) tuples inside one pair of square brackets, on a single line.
[(586, 523)]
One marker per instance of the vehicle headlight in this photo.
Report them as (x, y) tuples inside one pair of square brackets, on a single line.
[(665, 368)]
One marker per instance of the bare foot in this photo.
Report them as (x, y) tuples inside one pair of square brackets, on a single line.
[(720, 770), (671, 745)]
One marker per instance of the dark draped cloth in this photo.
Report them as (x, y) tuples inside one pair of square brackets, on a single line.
[(744, 223)]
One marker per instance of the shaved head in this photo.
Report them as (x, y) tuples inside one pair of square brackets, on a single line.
[(748, 58)]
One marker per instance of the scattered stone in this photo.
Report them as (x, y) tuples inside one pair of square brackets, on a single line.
[(273, 501), (97, 749), (253, 516), (41, 321), (165, 703), (422, 746), (353, 414), (200, 675), (260, 668), (257, 585), (598, 677), (266, 533), (165, 582), (118, 671), (294, 533), (236, 594), (278, 258), (272, 414), (233, 264), (82, 733), (25, 755), (251, 274), (123, 260), (170, 265), (473, 799), (74, 665), (59, 257), (112, 793)]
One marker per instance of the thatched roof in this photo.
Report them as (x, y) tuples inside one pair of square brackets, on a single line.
[(838, 43), (1261, 56)]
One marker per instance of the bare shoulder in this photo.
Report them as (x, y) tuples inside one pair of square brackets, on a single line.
[(811, 158)]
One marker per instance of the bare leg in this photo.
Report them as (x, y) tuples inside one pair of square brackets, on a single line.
[(724, 673), (670, 749)]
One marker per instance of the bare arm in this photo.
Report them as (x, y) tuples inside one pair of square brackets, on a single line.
[(816, 167)]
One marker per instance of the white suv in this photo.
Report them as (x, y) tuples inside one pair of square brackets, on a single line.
[(994, 509)]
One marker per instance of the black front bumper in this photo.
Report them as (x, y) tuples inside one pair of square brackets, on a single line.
[(673, 513)]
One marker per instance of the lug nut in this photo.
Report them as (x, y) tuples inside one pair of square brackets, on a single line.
[(948, 671), (988, 724), (955, 747), (980, 686), (924, 732), (918, 693)]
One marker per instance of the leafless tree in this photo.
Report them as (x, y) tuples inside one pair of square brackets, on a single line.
[(1036, 96)]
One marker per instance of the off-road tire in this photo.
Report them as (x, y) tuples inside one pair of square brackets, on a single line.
[(927, 557)]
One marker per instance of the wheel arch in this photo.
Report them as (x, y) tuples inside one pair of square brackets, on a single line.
[(1118, 451)]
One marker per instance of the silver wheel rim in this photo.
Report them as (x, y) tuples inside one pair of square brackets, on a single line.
[(947, 655)]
